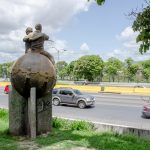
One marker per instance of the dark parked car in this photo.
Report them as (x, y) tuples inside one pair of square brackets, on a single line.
[(71, 96)]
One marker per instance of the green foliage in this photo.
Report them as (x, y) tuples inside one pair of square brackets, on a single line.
[(99, 2), (8, 67), (93, 68), (66, 139), (131, 69), (61, 68), (70, 69), (146, 73), (59, 123), (146, 69), (79, 137), (128, 62), (4, 114), (142, 25), (112, 66), (7, 142), (81, 125), (88, 67)]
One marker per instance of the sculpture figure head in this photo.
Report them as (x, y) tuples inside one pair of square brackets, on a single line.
[(29, 30), (38, 27)]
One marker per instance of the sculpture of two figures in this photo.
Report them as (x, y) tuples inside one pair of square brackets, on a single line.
[(33, 78), (36, 67), (34, 41)]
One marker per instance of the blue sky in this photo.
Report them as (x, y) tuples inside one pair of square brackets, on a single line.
[(77, 26), (99, 27)]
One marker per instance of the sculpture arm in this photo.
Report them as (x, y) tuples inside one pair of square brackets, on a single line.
[(26, 38), (46, 37)]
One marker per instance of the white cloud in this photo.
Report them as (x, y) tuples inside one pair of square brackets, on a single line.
[(128, 38), (127, 33), (85, 48), (16, 15), (129, 47)]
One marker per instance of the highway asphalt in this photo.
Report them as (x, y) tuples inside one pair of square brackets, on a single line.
[(109, 108)]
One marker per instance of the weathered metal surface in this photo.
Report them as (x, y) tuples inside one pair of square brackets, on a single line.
[(33, 70)]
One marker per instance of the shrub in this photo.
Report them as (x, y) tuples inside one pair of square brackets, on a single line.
[(82, 125), (58, 123), (4, 114)]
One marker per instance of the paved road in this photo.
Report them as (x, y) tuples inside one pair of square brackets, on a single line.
[(109, 108)]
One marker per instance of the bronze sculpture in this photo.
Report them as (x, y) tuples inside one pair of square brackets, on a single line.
[(36, 41), (25, 39), (33, 77), (34, 69)]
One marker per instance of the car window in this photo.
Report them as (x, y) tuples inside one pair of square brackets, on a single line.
[(66, 92), (55, 91), (77, 92)]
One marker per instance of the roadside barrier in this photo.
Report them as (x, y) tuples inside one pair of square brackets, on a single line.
[(100, 89)]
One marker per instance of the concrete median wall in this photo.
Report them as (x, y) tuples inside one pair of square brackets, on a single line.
[(120, 129), (96, 89), (106, 89)]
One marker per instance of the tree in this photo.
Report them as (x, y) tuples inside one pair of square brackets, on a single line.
[(5, 68), (70, 69), (88, 67), (60, 67), (112, 66), (142, 25), (63, 73), (146, 69), (99, 2), (130, 69)]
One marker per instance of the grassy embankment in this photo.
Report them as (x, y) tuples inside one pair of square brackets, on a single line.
[(70, 136)]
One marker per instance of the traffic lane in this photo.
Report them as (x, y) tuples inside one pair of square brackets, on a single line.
[(120, 115), (122, 97), (107, 100), (105, 111), (4, 101)]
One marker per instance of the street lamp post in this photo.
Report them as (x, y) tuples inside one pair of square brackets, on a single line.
[(58, 52), (4, 71)]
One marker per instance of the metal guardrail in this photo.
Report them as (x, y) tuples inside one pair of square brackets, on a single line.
[(114, 84)]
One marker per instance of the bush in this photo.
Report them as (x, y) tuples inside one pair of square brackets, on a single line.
[(81, 125), (4, 114), (59, 123)]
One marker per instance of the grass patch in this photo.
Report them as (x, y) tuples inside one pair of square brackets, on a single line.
[(68, 135), (7, 142), (59, 123), (3, 120)]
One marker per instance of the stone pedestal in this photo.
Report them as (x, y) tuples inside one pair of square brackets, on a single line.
[(21, 112), (17, 113), (44, 114)]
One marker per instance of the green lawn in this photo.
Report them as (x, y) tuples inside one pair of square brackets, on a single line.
[(78, 135)]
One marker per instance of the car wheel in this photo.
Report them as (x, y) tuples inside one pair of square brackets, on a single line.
[(81, 104), (56, 101)]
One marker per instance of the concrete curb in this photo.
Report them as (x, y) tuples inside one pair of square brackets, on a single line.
[(120, 129)]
